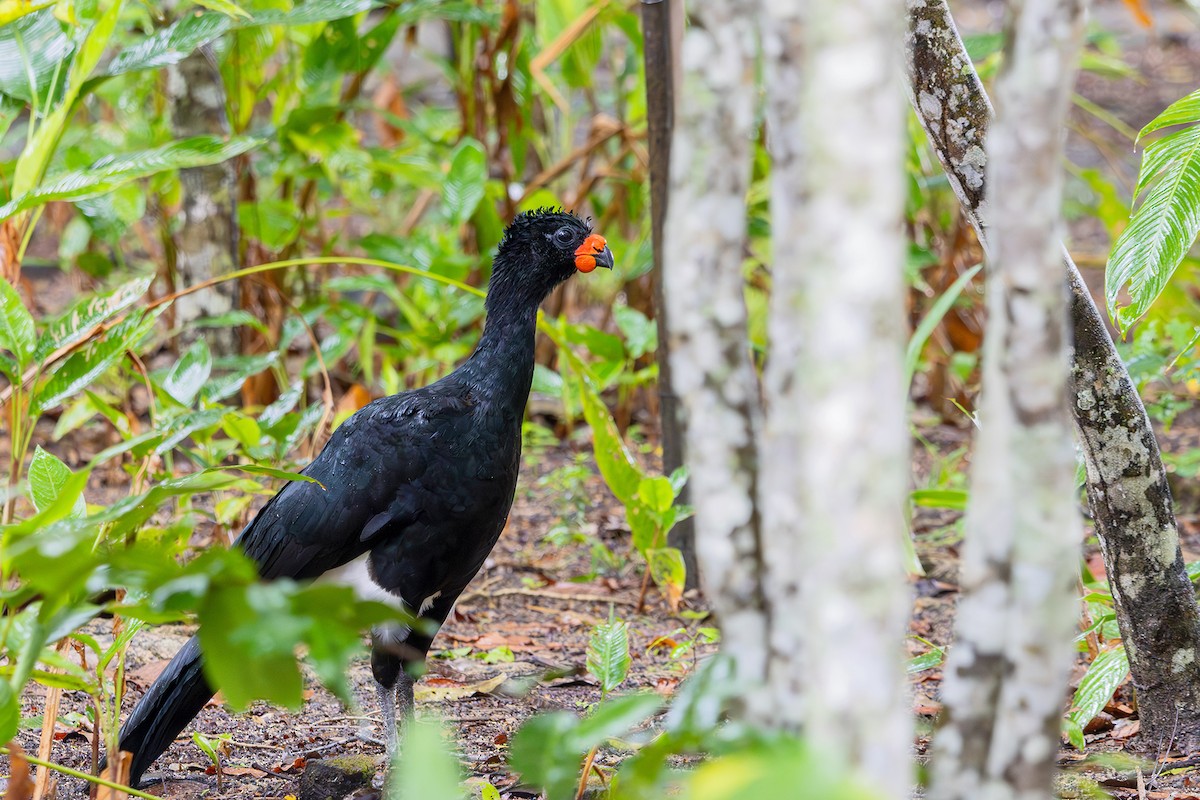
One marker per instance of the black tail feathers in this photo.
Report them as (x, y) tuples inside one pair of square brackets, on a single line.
[(173, 700)]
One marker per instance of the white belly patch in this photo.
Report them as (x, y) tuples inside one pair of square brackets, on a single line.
[(357, 576)]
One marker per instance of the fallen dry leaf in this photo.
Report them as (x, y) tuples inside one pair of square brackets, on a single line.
[(20, 785), (441, 690), (1126, 729)]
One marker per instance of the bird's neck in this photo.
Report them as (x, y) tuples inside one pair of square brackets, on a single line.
[(502, 364)]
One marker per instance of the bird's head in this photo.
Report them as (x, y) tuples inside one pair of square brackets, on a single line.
[(543, 248)]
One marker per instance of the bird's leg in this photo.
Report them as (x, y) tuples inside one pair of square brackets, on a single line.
[(401, 702)]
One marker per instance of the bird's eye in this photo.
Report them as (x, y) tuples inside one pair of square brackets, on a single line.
[(564, 236)]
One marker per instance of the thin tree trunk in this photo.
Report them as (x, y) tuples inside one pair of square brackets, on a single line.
[(833, 535), (1007, 673), (659, 53), (206, 240), (833, 530), (1126, 483), (711, 371)]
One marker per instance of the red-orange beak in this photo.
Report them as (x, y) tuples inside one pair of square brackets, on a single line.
[(593, 253)]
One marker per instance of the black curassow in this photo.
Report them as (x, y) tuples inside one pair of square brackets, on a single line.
[(414, 488)]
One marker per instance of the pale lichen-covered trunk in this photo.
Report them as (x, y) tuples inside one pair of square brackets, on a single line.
[(705, 235), (835, 448), (1006, 676), (1126, 483), (206, 239)]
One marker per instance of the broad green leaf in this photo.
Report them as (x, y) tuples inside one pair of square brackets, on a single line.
[(644, 527), (425, 768), (31, 166), (1161, 229), (55, 511), (186, 377), (620, 471), (656, 492), (86, 365), (10, 712), (16, 326), (47, 477), (170, 45), (181, 427), (547, 749), (273, 221), (33, 46), (640, 332), (464, 184), (608, 654), (309, 12), (271, 472), (249, 638), (776, 768), (1106, 672), (112, 172), (1183, 111), (173, 43), (80, 321), (668, 571)]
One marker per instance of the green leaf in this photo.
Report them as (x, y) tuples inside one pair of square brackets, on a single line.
[(1107, 672), (931, 320), (189, 374), (640, 332), (1184, 111), (225, 7), (464, 184), (33, 46), (426, 768), (10, 712), (175, 42), (616, 464), (657, 493), (644, 527), (35, 157), (85, 366), (668, 570), (273, 221), (927, 660), (112, 172), (170, 45), (80, 321), (47, 477), (249, 637), (309, 12), (16, 326), (1161, 229), (955, 499), (608, 654), (547, 749)]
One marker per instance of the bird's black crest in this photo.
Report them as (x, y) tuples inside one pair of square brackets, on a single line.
[(528, 219)]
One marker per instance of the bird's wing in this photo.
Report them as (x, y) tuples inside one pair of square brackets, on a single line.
[(369, 483)]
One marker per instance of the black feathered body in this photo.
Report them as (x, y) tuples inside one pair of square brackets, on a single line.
[(418, 484)]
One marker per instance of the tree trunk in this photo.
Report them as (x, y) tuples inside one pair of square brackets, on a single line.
[(1126, 483), (206, 240), (1007, 673), (711, 371), (659, 52), (833, 532)]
